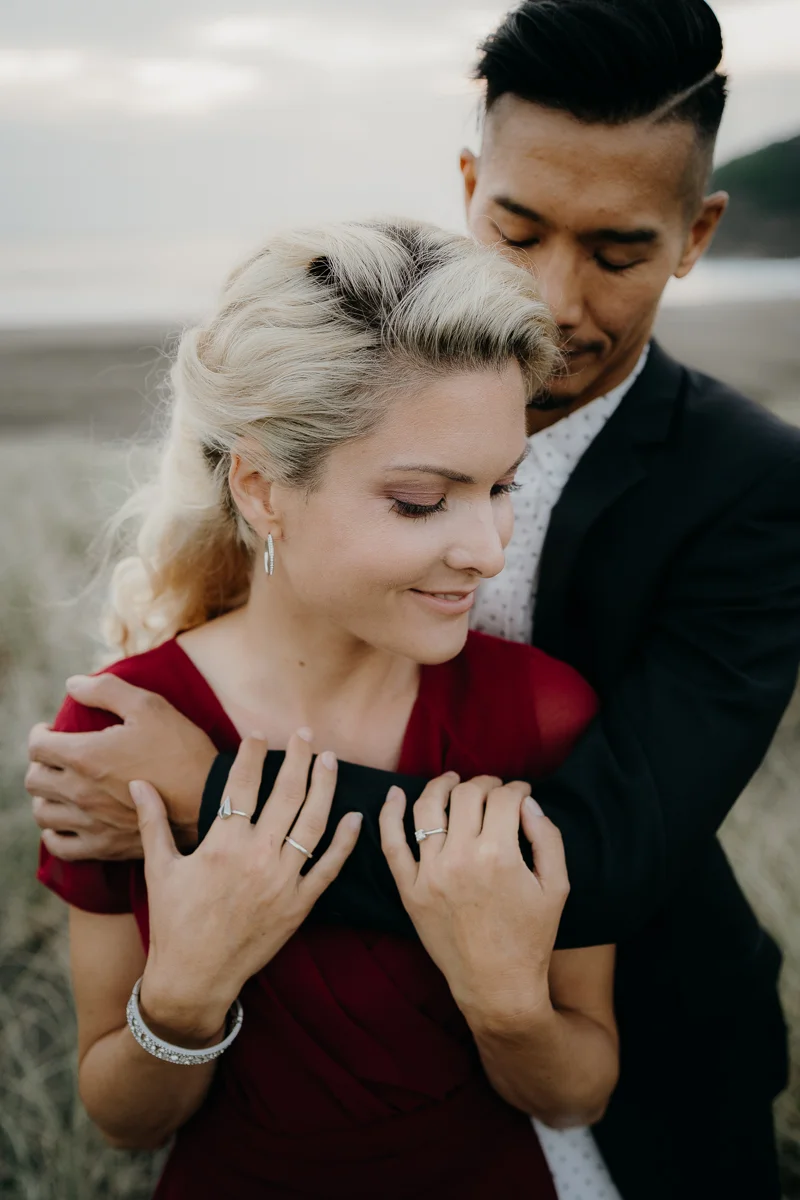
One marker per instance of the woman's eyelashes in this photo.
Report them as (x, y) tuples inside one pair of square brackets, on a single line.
[(407, 508)]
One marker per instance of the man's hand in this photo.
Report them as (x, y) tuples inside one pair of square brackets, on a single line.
[(79, 781)]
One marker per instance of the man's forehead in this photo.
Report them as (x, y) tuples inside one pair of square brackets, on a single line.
[(530, 151)]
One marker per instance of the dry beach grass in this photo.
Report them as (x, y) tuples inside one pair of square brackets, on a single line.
[(57, 479)]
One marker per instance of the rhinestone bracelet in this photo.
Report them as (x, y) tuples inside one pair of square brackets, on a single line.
[(179, 1054)]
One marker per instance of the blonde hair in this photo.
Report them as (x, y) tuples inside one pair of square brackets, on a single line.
[(315, 333)]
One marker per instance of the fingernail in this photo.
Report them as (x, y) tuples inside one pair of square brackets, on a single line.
[(255, 733), (354, 820), (305, 733), (136, 790), (328, 759), (395, 793), (74, 680), (533, 808)]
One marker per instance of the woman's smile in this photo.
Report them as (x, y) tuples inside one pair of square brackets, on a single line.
[(451, 604)]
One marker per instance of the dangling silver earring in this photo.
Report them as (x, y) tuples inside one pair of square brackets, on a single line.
[(269, 556)]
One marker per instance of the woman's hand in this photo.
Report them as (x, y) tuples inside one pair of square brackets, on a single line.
[(487, 920), (219, 915)]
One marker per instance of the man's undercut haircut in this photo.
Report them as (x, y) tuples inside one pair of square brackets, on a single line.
[(611, 61)]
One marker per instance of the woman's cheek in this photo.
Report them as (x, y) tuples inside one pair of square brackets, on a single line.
[(504, 519)]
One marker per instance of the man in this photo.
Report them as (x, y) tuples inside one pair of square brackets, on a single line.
[(657, 550)]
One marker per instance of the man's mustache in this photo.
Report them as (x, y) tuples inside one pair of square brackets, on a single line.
[(546, 401)]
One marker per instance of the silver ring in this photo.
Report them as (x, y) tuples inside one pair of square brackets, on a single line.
[(225, 810), (421, 834), (297, 846)]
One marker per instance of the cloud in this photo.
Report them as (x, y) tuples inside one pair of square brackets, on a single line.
[(62, 83)]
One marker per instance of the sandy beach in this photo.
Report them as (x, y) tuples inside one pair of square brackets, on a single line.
[(105, 381)]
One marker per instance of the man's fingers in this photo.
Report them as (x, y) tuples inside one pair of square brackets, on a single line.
[(63, 818), (323, 873), (112, 694), (157, 840), (549, 862), (66, 846), (393, 841), (49, 782), (56, 749)]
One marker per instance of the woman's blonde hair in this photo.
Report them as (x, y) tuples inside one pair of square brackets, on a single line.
[(315, 334)]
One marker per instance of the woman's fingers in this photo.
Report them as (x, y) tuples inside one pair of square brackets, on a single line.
[(313, 818), (241, 790), (549, 861), (323, 873), (467, 804), (396, 850), (288, 795), (502, 815), (157, 840), (430, 813)]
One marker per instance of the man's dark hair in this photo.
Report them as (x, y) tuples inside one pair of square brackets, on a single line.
[(611, 61)]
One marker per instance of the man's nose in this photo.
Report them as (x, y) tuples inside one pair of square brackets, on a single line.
[(559, 278), (479, 548)]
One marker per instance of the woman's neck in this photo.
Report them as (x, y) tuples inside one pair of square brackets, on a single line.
[(276, 668)]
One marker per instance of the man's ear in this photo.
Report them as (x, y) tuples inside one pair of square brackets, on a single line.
[(252, 495), (702, 231), (469, 173)]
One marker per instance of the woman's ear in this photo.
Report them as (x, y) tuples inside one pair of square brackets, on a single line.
[(252, 495)]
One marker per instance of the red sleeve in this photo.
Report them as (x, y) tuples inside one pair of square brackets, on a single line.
[(564, 705), (93, 886)]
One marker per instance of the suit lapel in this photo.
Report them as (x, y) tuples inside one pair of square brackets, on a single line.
[(616, 460)]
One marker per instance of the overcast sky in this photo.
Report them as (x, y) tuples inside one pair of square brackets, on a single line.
[(131, 119)]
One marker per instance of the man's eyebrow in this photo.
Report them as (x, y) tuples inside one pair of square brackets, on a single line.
[(453, 476), (623, 237), (620, 237), (518, 210)]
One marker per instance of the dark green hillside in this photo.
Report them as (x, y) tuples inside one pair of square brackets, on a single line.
[(764, 215)]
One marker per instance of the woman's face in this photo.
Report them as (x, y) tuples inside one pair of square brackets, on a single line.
[(392, 544)]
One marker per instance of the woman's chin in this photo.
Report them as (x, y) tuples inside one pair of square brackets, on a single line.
[(429, 647)]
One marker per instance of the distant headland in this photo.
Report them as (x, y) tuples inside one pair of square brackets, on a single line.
[(763, 220)]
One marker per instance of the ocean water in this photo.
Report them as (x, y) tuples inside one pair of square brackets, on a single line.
[(148, 283)]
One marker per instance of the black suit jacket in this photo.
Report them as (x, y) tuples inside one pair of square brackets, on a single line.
[(670, 578)]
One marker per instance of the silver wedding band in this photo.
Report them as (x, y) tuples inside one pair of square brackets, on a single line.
[(297, 846), (225, 810), (421, 834)]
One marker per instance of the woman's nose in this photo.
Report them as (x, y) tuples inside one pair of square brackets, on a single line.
[(480, 548)]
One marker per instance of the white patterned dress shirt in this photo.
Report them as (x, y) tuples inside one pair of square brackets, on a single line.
[(505, 607)]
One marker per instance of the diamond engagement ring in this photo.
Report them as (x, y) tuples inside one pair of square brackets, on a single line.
[(421, 834), (225, 810)]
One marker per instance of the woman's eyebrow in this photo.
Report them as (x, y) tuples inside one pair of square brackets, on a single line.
[(453, 476)]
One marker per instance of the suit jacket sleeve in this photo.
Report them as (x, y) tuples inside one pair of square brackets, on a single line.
[(690, 720)]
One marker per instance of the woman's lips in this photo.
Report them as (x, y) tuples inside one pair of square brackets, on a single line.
[(449, 603)]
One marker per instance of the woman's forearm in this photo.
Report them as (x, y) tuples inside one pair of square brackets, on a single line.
[(137, 1100), (559, 1066)]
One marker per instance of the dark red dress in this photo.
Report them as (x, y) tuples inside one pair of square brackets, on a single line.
[(355, 1074)]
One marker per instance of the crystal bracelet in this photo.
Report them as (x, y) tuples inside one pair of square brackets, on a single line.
[(179, 1054)]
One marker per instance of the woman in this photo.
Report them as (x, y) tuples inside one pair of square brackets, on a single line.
[(344, 436)]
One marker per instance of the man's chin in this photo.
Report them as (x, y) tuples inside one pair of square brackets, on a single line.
[(569, 388)]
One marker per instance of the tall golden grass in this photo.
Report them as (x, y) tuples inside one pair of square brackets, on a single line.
[(55, 492)]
